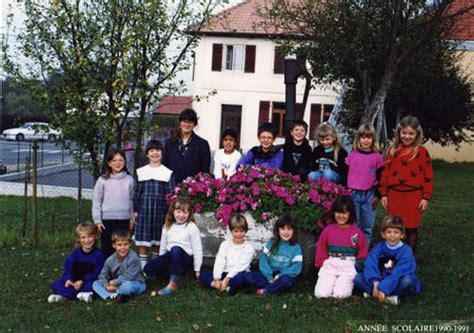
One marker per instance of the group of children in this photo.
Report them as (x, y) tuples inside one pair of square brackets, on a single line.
[(403, 181), (121, 275)]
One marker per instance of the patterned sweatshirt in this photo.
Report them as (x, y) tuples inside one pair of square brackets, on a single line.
[(404, 172), (323, 159), (341, 242), (288, 260)]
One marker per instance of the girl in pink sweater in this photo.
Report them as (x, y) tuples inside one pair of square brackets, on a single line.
[(338, 248)]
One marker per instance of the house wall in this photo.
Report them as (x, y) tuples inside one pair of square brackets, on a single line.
[(245, 89), (449, 153)]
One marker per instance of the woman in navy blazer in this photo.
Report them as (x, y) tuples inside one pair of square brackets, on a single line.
[(186, 153)]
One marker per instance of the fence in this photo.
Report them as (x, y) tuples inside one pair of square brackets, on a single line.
[(43, 191)]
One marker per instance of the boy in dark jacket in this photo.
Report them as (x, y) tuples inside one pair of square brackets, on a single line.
[(297, 152)]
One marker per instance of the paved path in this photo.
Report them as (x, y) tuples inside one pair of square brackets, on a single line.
[(44, 191)]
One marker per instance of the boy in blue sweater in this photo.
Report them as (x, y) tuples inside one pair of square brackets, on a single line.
[(266, 154), (280, 261), (390, 269)]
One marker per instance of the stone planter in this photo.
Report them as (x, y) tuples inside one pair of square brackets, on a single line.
[(213, 234)]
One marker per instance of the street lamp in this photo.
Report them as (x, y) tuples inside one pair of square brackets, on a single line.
[(292, 71)]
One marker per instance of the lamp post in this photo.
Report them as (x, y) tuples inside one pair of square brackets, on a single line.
[(292, 71)]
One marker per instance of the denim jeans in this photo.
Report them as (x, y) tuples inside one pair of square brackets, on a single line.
[(406, 285), (330, 175), (126, 288), (365, 211), (173, 262), (236, 283), (283, 283)]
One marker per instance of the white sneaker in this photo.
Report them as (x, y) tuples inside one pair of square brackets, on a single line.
[(366, 295), (85, 297), (393, 300), (53, 298)]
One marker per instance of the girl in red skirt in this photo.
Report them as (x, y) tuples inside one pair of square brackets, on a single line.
[(406, 185)]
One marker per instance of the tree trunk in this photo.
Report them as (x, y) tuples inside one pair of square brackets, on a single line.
[(140, 133), (95, 163), (307, 89)]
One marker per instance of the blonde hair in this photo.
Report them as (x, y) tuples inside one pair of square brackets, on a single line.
[(392, 221), (238, 221), (408, 121), (365, 130), (121, 235), (181, 204), (88, 228), (325, 129)]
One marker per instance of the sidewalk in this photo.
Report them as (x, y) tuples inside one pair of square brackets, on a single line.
[(43, 191)]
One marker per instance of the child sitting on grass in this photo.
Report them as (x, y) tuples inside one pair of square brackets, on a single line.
[(390, 269), (181, 247), (339, 247), (232, 265), (81, 268), (122, 275), (280, 261)]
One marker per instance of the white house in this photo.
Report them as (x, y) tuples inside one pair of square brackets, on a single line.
[(245, 69)]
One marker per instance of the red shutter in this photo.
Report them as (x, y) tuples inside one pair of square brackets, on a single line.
[(250, 59), (278, 61), (216, 57), (314, 120), (264, 112)]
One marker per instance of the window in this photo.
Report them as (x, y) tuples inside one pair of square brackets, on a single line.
[(279, 61), (319, 113), (239, 58), (279, 116), (234, 57)]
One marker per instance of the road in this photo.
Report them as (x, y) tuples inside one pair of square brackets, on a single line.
[(13, 153)]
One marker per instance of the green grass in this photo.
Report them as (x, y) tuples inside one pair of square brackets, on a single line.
[(446, 272)]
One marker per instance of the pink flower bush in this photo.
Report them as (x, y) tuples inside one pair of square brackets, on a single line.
[(265, 193)]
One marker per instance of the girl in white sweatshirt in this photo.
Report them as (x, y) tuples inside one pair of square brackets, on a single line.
[(180, 248), (233, 259)]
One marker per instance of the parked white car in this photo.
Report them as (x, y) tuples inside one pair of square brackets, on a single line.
[(32, 131)]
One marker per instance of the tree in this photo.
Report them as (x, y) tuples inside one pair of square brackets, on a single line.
[(363, 44), (103, 60), (18, 101), (431, 87)]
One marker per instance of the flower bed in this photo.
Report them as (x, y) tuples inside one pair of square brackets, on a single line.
[(265, 193)]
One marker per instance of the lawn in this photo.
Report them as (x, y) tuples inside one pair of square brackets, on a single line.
[(446, 270)]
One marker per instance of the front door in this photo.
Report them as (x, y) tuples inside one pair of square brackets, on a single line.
[(231, 118)]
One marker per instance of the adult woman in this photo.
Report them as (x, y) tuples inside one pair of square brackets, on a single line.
[(186, 153)]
